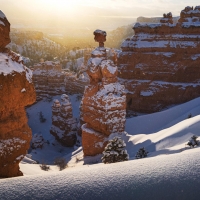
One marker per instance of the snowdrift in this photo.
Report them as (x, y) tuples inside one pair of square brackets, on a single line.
[(162, 177)]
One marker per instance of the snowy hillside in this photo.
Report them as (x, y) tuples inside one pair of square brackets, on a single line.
[(160, 133), (171, 170)]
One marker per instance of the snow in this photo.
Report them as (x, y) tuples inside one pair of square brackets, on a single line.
[(162, 120), (23, 90), (196, 56), (8, 66), (52, 150), (1, 23), (2, 16), (100, 32), (168, 177), (146, 93), (170, 166)]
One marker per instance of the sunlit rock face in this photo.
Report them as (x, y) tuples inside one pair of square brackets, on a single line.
[(159, 65), (64, 126), (16, 92), (48, 79), (4, 31), (103, 106)]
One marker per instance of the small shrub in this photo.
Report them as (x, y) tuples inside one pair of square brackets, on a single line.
[(142, 153), (61, 163), (44, 167), (114, 151), (193, 141), (42, 119)]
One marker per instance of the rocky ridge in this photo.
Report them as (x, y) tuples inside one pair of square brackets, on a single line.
[(159, 65)]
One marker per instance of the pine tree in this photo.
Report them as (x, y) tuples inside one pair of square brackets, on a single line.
[(193, 141), (42, 119), (142, 153), (114, 151)]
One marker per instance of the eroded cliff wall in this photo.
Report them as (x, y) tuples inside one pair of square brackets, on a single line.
[(160, 64)]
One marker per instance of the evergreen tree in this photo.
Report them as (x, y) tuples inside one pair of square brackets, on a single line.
[(193, 141), (142, 153), (114, 151), (42, 119)]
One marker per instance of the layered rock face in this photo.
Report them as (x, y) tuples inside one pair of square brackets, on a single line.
[(159, 65), (16, 92), (64, 126), (48, 79), (103, 106)]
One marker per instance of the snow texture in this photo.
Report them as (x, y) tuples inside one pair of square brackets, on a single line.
[(156, 178)]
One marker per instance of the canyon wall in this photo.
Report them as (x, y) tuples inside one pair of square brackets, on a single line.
[(16, 92), (159, 65), (48, 79)]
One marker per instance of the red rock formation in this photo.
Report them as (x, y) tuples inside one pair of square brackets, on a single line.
[(64, 126), (4, 31), (159, 65), (103, 106), (48, 79), (190, 15), (16, 92), (167, 18)]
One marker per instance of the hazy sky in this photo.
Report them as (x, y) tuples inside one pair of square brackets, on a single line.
[(83, 11)]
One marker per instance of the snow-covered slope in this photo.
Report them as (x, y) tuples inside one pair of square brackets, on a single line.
[(167, 177), (171, 170), (146, 124)]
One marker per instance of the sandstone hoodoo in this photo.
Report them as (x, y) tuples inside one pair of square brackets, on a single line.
[(103, 106), (64, 126), (16, 92), (159, 65)]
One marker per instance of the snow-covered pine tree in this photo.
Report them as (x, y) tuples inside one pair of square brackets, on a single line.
[(193, 141), (114, 151), (142, 153)]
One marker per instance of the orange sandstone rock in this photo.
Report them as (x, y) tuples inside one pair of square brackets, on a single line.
[(103, 106), (93, 142), (16, 92)]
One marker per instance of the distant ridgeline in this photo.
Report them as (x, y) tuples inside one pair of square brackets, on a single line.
[(160, 64)]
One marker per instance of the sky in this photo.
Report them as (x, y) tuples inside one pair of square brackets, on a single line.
[(85, 13)]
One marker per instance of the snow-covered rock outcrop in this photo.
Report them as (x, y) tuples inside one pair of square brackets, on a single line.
[(159, 65), (16, 92), (64, 126), (103, 106)]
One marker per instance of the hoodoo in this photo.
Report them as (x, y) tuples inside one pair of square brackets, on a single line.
[(103, 106), (16, 92)]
